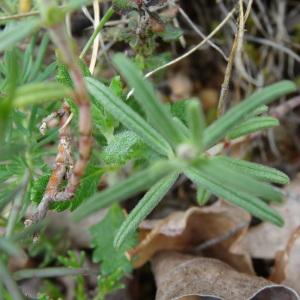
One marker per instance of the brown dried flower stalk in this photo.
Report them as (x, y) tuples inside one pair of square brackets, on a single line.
[(63, 163), (67, 54)]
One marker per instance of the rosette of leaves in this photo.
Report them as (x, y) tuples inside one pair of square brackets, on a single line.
[(183, 149)]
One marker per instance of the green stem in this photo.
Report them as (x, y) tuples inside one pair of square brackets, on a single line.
[(18, 16), (50, 272), (100, 26)]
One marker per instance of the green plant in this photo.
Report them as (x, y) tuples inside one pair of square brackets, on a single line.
[(158, 142), (185, 150)]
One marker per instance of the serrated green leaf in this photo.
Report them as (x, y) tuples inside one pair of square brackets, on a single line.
[(125, 189), (102, 241), (13, 33), (179, 110), (252, 125), (143, 208), (170, 33), (87, 187), (123, 147), (36, 93), (128, 117), (158, 115), (116, 86), (257, 171), (250, 203), (38, 188), (63, 75), (220, 128)]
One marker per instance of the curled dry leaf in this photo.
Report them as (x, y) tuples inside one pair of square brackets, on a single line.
[(212, 230), (180, 276), (287, 263), (265, 240)]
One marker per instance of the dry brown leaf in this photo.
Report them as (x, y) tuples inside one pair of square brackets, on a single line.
[(287, 263), (180, 276), (222, 224), (265, 240)]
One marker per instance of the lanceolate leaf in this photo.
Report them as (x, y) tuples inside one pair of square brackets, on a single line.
[(250, 203), (158, 115), (260, 110), (36, 93), (252, 125), (238, 181), (40, 57), (125, 189), (196, 121), (258, 171), (184, 131), (144, 207), (128, 117), (220, 128), (202, 195), (16, 32)]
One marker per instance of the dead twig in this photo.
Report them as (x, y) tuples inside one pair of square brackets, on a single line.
[(63, 163)]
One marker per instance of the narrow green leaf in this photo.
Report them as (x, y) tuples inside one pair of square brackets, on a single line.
[(196, 122), (257, 171), (260, 110), (158, 115), (125, 189), (14, 33), (220, 128), (144, 207), (40, 57), (9, 247), (184, 131), (10, 284), (36, 93), (252, 125), (47, 73), (203, 195), (238, 181), (128, 117), (250, 203)]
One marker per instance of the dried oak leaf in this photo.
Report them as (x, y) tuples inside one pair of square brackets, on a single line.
[(180, 276), (265, 240), (287, 263), (222, 224)]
